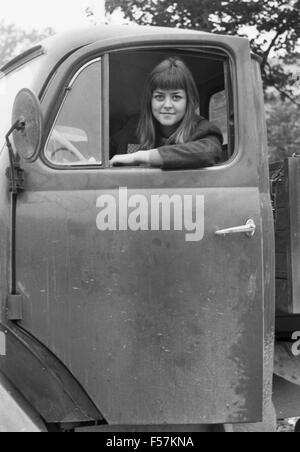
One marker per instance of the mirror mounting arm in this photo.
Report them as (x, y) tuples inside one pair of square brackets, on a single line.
[(15, 173)]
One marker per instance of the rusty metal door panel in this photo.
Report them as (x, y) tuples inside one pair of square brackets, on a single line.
[(157, 329)]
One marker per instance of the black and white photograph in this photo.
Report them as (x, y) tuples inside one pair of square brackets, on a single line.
[(149, 219)]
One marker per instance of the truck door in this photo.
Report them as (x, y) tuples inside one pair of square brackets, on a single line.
[(134, 277)]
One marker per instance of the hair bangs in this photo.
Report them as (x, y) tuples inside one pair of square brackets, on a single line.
[(171, 78)]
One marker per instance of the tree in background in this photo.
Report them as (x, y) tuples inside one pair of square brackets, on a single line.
[(14, 40), (275, 37), (283, 129), (168, 13), (275, 28)]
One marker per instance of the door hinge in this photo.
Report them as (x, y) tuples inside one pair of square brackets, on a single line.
[(14, 307), (16, 178)]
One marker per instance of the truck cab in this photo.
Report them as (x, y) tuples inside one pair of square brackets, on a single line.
[(134, 296)]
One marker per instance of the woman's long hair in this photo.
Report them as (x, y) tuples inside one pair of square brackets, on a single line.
[(170, 74)]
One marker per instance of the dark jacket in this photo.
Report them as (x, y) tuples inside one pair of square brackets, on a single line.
[(203, 150)]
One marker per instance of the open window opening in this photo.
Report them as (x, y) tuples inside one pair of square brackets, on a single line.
[(77, 135), (211, 71)]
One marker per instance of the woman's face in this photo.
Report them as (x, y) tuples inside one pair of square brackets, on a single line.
[(169, 106)]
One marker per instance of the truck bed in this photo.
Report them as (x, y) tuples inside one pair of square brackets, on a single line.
[(285, 189)]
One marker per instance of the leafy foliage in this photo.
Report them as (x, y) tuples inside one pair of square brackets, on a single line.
[(177, 13), (283, 129), (14, 40), (275, 24)]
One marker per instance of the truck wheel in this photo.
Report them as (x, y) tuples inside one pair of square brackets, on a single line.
[(297, 426)]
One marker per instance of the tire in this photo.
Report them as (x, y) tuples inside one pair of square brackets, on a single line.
[(297, 426)]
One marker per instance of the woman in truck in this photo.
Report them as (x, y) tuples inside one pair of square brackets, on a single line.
[(170, 133)]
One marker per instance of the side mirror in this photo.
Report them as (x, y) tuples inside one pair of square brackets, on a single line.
[(27, 136)]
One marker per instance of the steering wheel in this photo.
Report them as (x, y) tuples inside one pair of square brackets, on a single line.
[(74, 151), (65, 145)]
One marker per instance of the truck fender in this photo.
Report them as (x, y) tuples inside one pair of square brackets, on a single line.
[(47, 385), (16, 415)]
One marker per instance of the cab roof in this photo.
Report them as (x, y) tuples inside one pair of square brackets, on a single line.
[(74, 39), (58, 46)]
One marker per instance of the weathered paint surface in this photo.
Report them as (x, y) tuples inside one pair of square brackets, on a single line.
[(49, 387), (155, 329)]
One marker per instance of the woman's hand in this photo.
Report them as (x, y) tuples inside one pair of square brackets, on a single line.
[(151, 158), (125, 160)]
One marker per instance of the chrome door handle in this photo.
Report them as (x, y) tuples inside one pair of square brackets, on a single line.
[(249, 229)]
